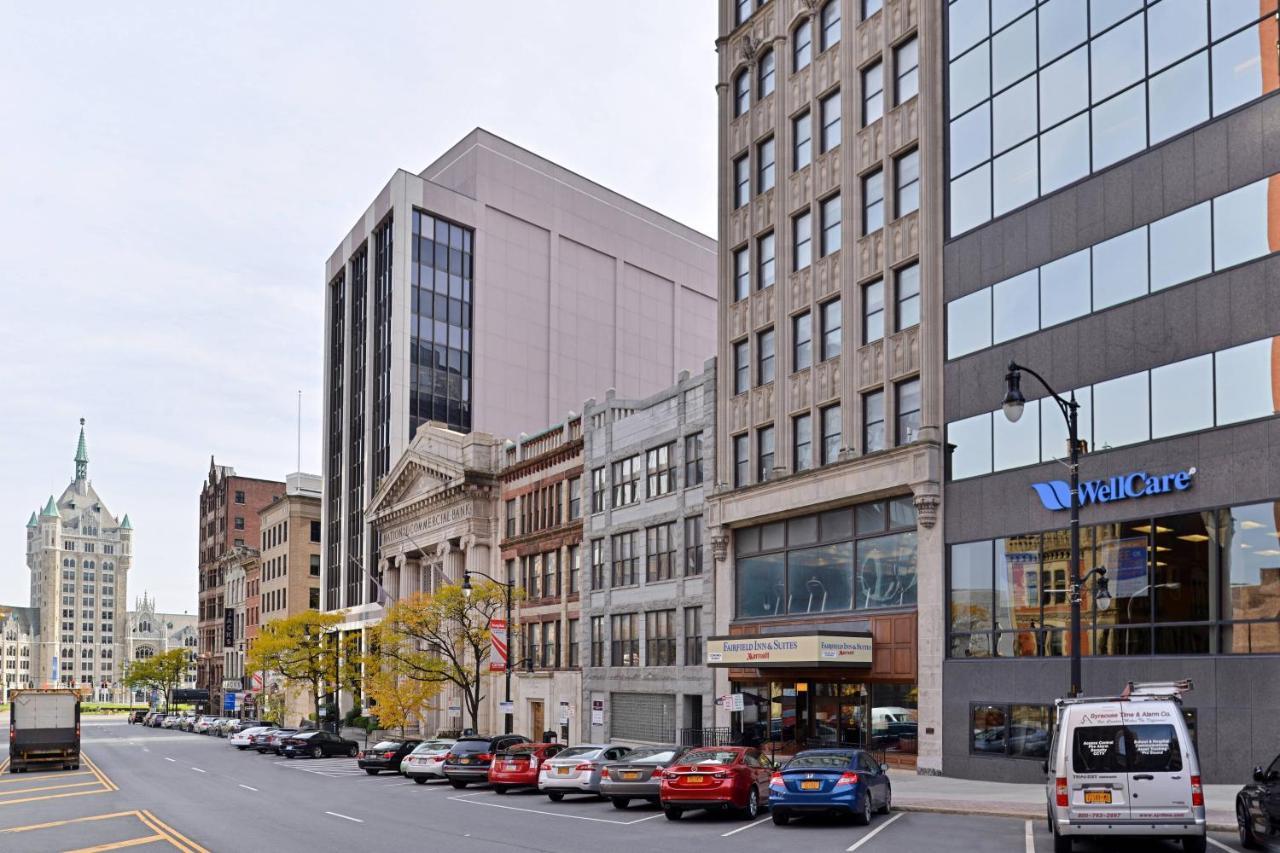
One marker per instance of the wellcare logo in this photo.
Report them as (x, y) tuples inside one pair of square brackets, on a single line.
[(1056, 494)]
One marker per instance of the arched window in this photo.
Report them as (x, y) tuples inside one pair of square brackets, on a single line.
[(802, 45), (830, 25), (741, 93), (764, 76), (143, 653)]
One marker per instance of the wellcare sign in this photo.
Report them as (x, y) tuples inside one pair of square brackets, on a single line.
[(1056, 494)]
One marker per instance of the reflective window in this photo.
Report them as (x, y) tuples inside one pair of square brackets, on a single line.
[(741, 93), (1120, 269), (820, 579), (906, 64), (1121, 411), (764, 354), (765, 75), (741, 367), (886, 571), (1053, 425), (1181, 247), (829, 209), (1175, 28), (969, 80), (1015, 306), (802, 239), (1179, 98), (1250, 565), (969, 323), (1016, 178), (761, 585), (801, 443), (1226, 16), (872, 311), (907, 175), (1014, 115), (970, 142), (967, 24), (1182, 397), (741, 274), (1064, 154), (1242, 221), (1105, 13), (907, 406), (802, 45), (873, 201), (1119, 127), (764, 249), (1064, 88), (1017, 444), (971, 199), (872, 93), (1004, 11), (764, 166), (802, 141), (1013, 53), (908, 296), (830, 21), (1062, 27), (870, 7), (801, 341), (972, 439), (764, 453), (831, 434), (830, 110), (1245, 381), (741, 181), (1237, 69), (1065, 289), (741, 463), (873, 432), (831, 323), (1117, 58), (972, 598)]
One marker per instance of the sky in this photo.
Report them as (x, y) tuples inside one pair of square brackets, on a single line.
[(173, 177)]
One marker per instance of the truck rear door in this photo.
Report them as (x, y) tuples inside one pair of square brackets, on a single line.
[(1159, 774), (1098, 778)]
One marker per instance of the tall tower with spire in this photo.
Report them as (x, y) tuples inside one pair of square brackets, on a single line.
[(79, 554)]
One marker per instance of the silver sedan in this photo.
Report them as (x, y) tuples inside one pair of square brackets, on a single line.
[(638, 776), (576, 770), (426, 761)]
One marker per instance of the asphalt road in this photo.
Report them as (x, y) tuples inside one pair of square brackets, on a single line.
[(158, 790)]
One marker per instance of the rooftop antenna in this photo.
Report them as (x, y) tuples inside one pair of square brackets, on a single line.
[(299, 468)]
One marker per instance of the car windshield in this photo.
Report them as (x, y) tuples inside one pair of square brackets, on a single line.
[(305, 735), (708, 756), (519, 749), (579, 752), (649, 756), (427, 747), (469, 747), (820, 761), (387, 744)]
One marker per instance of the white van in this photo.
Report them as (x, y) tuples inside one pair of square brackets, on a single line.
[(1125, 766)]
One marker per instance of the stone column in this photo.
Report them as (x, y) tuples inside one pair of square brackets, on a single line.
[(931, 625)]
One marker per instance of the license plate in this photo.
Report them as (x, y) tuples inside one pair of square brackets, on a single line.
[(563, 771), (465, 761), (1097, 797), (810, 786), (631, 775), (695, 780)]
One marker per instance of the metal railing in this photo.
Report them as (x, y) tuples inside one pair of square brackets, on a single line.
[(707, 737)]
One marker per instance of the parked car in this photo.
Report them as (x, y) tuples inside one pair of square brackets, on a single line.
[(1125, 766), (385, 755), (244, 740), (317, 745), (150, 715), (137, 716), (262, 740), (839, 782), (576, 770), (157, 721), (201, 726), (1258, 809), (469, 758), (722, 777), (427, 761), (275, 741), (518, 765), (241, 725), (638, 774)]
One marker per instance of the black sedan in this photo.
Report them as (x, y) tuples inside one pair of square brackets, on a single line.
[(317, 745), (1258, 809), (386, 755)]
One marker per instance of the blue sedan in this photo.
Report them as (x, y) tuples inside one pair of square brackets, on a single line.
[(830, 782)]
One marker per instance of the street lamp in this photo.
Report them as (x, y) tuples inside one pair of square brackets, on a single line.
[(1013, 404), (507, 588)]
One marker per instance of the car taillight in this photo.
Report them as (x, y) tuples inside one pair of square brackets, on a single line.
[(586, 765), (485, 756), (388, 755), (775, 781), (604, 774), (847, 778), (657, 772), (1060, 789), (668, 775), (1197, 792), (360, 754), (723, 774)]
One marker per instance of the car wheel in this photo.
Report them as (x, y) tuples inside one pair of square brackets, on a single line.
[(457, 784), (673, 813), (499, 789), (780, 818), (421, 780), (888, 800), (288, 755), (863, 817), (555, 796), (351, 753), (753, 804), (371, 771), (317, 752), (1248, 839), (621, 802), (1194, 844)]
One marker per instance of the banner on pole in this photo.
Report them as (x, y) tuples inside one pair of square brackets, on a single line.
[(498, 648)]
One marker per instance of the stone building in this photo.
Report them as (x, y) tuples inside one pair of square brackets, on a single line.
[(241, 570), (647, 587), (153, 633), (19, 648)]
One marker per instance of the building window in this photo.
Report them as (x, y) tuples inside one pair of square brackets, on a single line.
[(239, 526), (801, 443), (830, 210), (741, 459), (765, 252), (597, 564), (314, 567), (626, 560), (741, 93), (764, 354), (908, 296), (599, 488), (873, 422), (802, 45), (741, 274), (692, 460), (741, 181), (624, 640), (801, 141), (870, 7), (829, 108), (872, 311), (315, 531), (831, 434), (575, 568), (831, 331), (764, 76), (659, 553), (765, 165), (597, 641), (574, 487), (693, 545), (313, 598), (660, 464), (801, 341), (830, 20), (906, 170), (626, 481), (240, 498), (741, 367), (571, 642), (764, 451), (872, 201), (872, 93), (802, 239), (906, 63), (907, 405), (660, 638), (1016, 731), (512, 527), (693, 636)]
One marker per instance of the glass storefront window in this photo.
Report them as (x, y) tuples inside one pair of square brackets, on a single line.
[(990, 735), (1030, 727), (1244, 381), (1250, 576), (820, 579), (887, 571), (784, 717), (761, 585), (972, 599)]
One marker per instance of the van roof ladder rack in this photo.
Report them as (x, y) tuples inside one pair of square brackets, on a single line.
[(1135, 691)]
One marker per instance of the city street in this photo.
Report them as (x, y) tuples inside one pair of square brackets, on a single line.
[(170, 790)]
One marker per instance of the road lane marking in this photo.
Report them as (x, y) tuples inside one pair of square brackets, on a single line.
[(873, 833), (1031, 839), (539, 811), (46, 788), (177, 839), (116, 845), (60, 776), (643, 819), (56, 823), (198, 770), (174, 760), (111, 786), (346, 817), (1219, 844), (755, 822), (248, 788)]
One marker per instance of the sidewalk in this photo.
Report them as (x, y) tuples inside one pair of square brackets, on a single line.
[(967, 796)]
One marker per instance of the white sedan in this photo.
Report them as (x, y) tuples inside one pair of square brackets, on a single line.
[(426, 761), (244, 739)]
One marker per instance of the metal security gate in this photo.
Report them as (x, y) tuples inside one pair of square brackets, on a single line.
[(643, 716)]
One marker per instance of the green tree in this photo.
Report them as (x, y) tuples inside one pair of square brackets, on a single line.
[(162, 672)]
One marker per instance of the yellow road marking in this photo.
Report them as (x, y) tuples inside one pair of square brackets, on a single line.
[(32, 778), (49, 797), (45, 788), (116, 845), (111, 786), (55, 823), (177, 839)]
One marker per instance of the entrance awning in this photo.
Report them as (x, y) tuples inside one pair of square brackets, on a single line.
[(808, 649)]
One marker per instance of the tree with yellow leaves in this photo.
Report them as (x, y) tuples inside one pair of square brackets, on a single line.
[(302, 648), (395, 699)]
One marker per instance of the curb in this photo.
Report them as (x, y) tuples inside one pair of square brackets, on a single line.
[(997, 811)]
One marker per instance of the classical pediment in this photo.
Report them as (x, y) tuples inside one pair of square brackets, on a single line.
[(415, 477)]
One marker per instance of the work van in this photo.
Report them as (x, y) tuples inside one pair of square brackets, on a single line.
[(1125, 766)]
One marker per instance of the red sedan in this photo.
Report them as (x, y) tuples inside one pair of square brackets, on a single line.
[(722, 777), (517, 766)]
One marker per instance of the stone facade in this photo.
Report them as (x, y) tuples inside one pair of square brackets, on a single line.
[(19, 649), (665, 688), (153, 633)]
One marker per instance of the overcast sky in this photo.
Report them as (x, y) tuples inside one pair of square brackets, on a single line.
[(174, 175)]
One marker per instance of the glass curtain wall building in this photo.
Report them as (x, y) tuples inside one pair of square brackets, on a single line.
[(1114, 216)]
